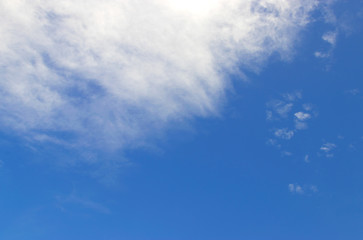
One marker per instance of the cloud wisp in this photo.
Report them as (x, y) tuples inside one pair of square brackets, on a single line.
[(328, 148), (113, 72), (306, 189)]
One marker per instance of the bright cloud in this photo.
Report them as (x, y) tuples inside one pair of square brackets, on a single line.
[(200, 7), (302, 116), (300, 120), (110, 72)]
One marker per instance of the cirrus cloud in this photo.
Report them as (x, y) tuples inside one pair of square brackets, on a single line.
[(113, 72)]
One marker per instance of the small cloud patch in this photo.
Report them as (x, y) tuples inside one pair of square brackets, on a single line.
[(302, 116), (327, 148), (306, 189), (284, 133)]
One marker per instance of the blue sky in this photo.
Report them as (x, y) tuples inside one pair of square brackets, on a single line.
[(152, 120)]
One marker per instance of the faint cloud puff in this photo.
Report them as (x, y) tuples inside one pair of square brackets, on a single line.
[(306, 189), (327, 148), (284, 133)]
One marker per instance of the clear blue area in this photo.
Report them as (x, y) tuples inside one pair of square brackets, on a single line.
[(218, 180)]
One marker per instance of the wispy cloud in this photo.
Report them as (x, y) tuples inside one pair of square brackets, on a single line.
[(341, 23), (330, 37), (286, 153), (72, 199), (295, 188), (109, 73), (284, 133), (327, 148), (278, 108), (322, 54), (306, 189), (290, 115), (307, 158), (292, 96), (353, 92)]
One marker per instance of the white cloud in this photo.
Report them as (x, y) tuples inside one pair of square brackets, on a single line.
[(278, 108), (321, 54), (273, 142), (302, 116), (314, 188), (307, 158), (284, 133), (307, 107), (110, 72), (353, 92), (285, 111), (300, 125), (296, 188), (330, 37), (327, 147), (293, 96), (286, 153)]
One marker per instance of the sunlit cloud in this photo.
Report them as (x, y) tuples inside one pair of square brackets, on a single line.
[(117, 72)]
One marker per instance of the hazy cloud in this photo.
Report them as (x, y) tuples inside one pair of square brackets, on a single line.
[(307, 158), (306, 189), (278, 109), (330, 37), (322, 54), (353, 92), (284, 133), (295, 188), (286, 153), (293, 96), (72, 199)]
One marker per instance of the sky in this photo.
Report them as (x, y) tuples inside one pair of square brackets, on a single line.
[(174, 120)]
